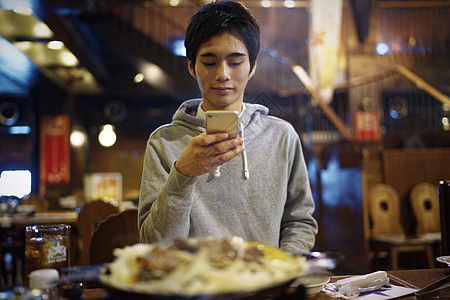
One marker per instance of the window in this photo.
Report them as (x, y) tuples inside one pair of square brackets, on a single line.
[(15, 183)]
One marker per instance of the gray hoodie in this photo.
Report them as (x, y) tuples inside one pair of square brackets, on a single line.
[(274, 205)]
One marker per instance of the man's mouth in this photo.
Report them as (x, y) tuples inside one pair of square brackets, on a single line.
[(223, 90)]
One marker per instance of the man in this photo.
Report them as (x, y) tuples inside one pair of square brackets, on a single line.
[(261, 192)]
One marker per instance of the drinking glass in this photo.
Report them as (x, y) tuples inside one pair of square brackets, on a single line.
[(46, 246)]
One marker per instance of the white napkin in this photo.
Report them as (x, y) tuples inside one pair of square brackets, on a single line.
[(361, 280)]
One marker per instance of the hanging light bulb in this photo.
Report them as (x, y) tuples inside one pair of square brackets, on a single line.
[(107, 137), (77, 138)]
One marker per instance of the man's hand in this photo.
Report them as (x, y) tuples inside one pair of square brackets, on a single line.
[(207, 151)]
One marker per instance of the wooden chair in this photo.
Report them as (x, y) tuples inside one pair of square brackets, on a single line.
[(444, 210), (91, 214), (117, 231), (387, 230), (425, 203)]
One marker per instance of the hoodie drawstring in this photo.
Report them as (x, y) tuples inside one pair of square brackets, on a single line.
[(217, 172), (244, 159), (244, 154)]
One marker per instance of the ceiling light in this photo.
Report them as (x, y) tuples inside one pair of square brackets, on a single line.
[(266, 3), (55, 45), (77, 138), (153, 73), (23, 10), (445, 124), (107, 137), (42, 31), (138, 78), (174, 2), (289, 3), (19, 130), (178, 47), (382, 48), (23, 46), (69, 59)]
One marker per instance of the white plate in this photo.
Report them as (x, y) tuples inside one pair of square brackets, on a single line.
[(444, 260), (312, 283)]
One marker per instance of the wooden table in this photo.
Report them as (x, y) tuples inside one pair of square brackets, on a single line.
[(409, 278), (45, 218)]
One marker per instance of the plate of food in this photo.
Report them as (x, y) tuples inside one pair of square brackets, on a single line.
[(444, 260), (206, 268)]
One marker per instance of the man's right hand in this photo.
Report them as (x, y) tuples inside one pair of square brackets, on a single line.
[(206, 152)]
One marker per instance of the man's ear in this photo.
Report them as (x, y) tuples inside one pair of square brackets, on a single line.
[(252, 72), (191, 68)]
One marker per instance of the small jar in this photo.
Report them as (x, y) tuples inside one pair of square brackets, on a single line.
[(46, 280)]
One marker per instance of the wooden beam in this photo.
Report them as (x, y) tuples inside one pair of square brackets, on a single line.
[(413, 4), (423, 85), (306, 80)]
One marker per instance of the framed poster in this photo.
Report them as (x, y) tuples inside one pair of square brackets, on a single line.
[(55, 149)]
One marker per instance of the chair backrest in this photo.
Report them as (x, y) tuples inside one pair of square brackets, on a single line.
[(384, 210), (91, 214), (425, 203), (117, 231), (444, 208)]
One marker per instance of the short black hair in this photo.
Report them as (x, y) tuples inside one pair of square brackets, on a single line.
[(219, 17)]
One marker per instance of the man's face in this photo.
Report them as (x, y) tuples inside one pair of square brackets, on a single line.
[(222, 71)]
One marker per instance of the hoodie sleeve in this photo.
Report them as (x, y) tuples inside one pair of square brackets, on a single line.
[(164, 201), (298, 226)]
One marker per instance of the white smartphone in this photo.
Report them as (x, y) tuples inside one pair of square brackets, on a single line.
[(222, 121)]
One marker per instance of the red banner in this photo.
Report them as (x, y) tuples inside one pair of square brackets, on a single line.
[(55, 149), (367, 127)]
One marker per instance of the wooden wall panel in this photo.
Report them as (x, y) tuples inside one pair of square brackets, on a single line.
[(404, 168)]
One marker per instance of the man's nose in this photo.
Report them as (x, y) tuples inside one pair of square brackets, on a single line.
[(223, 72)]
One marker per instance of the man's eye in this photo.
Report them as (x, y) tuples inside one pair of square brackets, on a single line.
[(208, 64), (235, 63)]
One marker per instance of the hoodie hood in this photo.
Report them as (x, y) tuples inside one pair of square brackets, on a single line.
[(248, 121), (186, 116)]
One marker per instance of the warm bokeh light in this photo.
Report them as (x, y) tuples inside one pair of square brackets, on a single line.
[(139, 77), (77, 138), (266, 3), (396, 47), (55, 45), (42, 31), (107, 137), (23, 46), (69, 59), (382, 48), (445, 123), (289, 3)]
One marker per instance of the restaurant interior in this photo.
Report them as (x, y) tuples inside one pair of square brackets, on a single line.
[(365, 83)]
